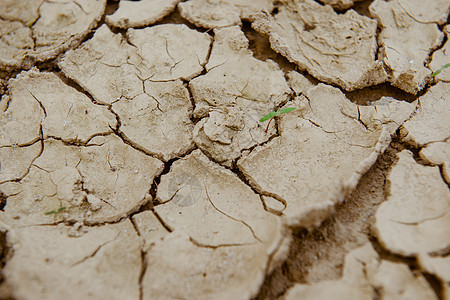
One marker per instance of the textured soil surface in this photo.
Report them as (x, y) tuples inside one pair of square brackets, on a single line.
[(133, 163)]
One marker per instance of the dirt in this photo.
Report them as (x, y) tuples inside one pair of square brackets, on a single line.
[(133, 163)]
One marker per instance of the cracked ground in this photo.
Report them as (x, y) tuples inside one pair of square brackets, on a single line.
[(133, 163)]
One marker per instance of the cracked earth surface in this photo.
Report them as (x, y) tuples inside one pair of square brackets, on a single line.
[(133, 164)]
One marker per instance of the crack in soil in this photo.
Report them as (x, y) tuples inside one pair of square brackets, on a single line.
[(39, 140), (143, 260), (436, 284), (200, 245), (237, 220), (95, 251), (163, 224)]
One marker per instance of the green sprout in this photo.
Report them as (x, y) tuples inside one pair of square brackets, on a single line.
[(272, 114), (31, 23), (55, 211), (440, 70)]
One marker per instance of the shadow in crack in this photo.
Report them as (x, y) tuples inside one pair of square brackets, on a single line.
[(259, 44), (376, 92)]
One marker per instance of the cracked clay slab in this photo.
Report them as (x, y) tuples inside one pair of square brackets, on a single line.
[(15, 161), (220, 13), (34, 103), (140, 13), (20, 116), (50, 262), (100, 182), (66, 113), (141, 79), (416, 217), (233, 95), (325, 146), (335, 48), (158, 120), (430, 122), (40, 30), (366, 276), (110, 67), (409, 32), (438, 153), (223, 241), (212, 205), (24, 11), (177, 268)]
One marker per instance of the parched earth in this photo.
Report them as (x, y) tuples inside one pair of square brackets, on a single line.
[(133, 163)]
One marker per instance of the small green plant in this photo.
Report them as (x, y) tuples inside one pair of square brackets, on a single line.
[(273, 114), (440, 70), (56, 211)]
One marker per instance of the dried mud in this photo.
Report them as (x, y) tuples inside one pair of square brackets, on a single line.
[(133, 164)]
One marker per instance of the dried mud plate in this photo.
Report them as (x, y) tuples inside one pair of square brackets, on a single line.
[(335, 48), (327, 142)]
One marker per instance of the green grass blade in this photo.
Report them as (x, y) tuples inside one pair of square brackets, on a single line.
[(55, 211), (286, 110), (61, 209), (268, 116), (440, 70)]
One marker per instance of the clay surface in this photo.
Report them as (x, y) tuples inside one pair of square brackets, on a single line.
[(22, 10), (100, 182), (21, 115), (237, 90), (238, 275), (242, 266), (51, 262), (144, 94), (304, 159), (430, 122), (134, 163), (71, 118), (338, 49), (109, 67), (414, 221), (415, 218), (158, 120), (210, 212), (438, 153), (220, 13), (140, 13), (409, 32), (40, 30)]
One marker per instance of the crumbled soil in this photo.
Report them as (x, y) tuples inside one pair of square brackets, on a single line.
[(134, 165)]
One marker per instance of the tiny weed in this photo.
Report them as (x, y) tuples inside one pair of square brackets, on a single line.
[(272, 114), (440, 70), (55, 211)]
